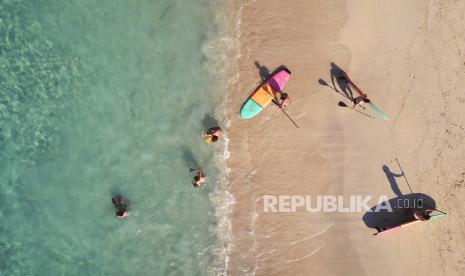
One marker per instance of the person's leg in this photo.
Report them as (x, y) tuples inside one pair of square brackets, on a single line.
[(381, 229)]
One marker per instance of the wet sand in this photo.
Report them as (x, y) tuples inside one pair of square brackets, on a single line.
[(408, 57)]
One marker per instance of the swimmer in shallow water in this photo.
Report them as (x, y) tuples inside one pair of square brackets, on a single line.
[(121, 208), (213, 134), (199, 179)]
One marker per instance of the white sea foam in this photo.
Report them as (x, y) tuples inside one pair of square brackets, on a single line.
[(222, 52), (306, 256), (325, 229)]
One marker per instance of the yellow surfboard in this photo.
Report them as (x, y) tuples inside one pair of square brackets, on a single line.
[(264, 95)]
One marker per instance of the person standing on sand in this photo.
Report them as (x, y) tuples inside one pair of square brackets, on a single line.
[(415, 214), (283, 100), (199, 179), (421, 214), (360, 100)]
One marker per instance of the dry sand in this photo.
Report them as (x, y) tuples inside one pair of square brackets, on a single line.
[(408, 56)]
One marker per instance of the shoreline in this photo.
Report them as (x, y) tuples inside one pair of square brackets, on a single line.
[(222, 52), (269, 156)]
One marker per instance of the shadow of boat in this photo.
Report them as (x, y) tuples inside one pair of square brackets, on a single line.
[(380, 216)]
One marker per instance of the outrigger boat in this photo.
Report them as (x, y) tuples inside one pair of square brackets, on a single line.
[(403, 225)]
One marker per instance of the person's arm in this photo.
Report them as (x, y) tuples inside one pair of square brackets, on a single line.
[(277, 97), (357, 100)]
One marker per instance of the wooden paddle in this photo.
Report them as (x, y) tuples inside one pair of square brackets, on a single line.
[(285, 113), (360, 92), (403, 174), (289, 117), (343, 104)]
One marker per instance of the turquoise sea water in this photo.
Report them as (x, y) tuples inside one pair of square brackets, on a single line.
[(98, 98)]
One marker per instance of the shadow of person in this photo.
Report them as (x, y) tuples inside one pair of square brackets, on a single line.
[(400, 210), (190, 159), (263, 71), (338, 77), (209, 121), (396, 211), (266, 77), (392, 180)]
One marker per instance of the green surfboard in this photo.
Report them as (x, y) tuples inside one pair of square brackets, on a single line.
[(437, 216), (380, 113)]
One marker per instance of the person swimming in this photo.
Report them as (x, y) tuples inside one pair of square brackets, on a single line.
[(121, 208), (199, 179), (213, 134)]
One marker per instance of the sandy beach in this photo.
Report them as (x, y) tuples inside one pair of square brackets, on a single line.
[(409, 58)]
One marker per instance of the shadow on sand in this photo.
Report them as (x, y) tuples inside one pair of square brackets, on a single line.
[(391, 177), (344, 87), (402, 205), (265, 73), (338, 78)]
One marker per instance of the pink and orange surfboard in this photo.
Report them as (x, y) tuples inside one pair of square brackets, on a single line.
[(265, 94)]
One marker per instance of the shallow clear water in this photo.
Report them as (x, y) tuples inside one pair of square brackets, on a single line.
[(99, 98)]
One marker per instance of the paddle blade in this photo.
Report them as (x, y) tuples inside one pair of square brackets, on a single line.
[(437, 216), (380, 113), (322, 82)]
